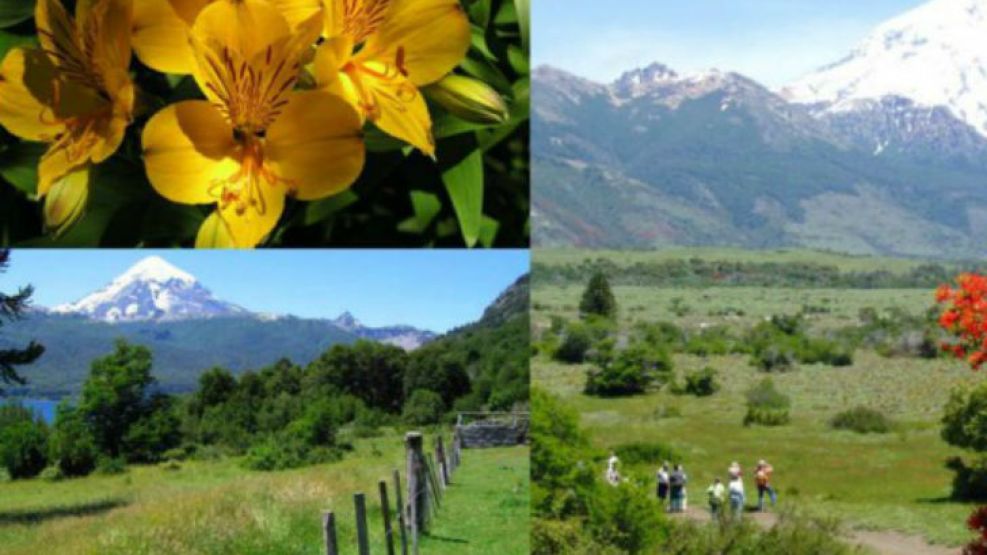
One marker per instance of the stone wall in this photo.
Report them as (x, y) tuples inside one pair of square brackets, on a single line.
[(492, 434)]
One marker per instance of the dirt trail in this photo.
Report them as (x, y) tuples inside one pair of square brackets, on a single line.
[(882, 542)]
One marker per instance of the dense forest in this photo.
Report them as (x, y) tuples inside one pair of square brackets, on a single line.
[(279, 416)]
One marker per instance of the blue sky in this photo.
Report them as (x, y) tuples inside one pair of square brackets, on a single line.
[(773, 41), (430, 289)]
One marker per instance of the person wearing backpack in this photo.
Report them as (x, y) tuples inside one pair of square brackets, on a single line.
[(762, 476), (676, 483)]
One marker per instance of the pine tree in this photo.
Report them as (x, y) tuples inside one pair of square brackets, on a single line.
[(598, 299), (12, 308)]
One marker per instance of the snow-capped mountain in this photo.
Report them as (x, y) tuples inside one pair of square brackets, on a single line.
[(407, 337), (934, 55), (151, 290)]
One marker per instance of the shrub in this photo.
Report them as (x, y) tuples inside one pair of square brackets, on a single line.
[(574, 345), (646, 453), (628, 518), (72, 446), (631, 372), (109, 466), (551, 537), (286, 450), (862, 420), (969, 482), (702, 383), (965, 419), (424, 407), (766, 405), (773, 358), (23, 442), (51, 474), (562, 476)]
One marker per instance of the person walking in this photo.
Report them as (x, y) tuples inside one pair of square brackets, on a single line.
[(676, 483), (762, 476), (737, 497), (663, 477), (716, 494)]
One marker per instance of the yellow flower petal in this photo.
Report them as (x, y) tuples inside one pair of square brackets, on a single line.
[(161, 33), (232, 228), (244, 26), (186, 146), (66, 202), (56, 164), (298, 11), (57, 34), (27, 91), (428, 38), (316, 145), (394, 104), (110, 23)]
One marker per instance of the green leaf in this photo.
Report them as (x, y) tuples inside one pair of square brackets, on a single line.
[(13, 12), (464, 182), (10, 41), (19, 166), (320, 210), (488, 231), (426, 206), (523, 8)]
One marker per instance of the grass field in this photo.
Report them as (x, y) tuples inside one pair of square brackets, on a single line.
[(895, 481), (216, 507)]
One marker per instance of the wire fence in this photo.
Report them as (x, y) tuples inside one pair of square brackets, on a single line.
[(427, 475)]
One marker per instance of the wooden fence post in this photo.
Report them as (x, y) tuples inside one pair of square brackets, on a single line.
[(417, 486), (329, 533), (385, 508), (430, 476), (440, 455), (363, 541), (401, 512)]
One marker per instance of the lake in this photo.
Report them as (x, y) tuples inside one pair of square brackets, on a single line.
[(44, 407)]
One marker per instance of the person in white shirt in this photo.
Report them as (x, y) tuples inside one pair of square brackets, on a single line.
[(663, 476), (737, 496), (613, 475)]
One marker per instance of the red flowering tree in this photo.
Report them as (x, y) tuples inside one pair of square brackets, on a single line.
[(965, 318)]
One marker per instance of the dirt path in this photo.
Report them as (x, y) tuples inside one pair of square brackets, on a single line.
[(882, 542)]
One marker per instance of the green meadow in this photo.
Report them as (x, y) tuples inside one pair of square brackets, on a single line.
[(896, 481), (217, 507)]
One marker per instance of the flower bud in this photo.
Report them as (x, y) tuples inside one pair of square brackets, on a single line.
[(66, 201), (469, 99)]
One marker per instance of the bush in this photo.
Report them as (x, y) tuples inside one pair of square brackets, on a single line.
[(631, 372), (562, 476), (72, 446), (424, 407), (766, 406), (965, 419), (702, 383), (628, 518), (23, 442), (109, 466), (773, 358), (284, 451), (552, 537), (646, 453), (862, 420), (969, 482), (51, 474), (574, 345)]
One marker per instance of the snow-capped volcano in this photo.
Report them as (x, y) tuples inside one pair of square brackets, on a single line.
[(152, 289), (934, 55)]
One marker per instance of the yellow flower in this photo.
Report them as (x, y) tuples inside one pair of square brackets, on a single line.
[(74, 93), (379, 52), (255, 140), (161, 29)]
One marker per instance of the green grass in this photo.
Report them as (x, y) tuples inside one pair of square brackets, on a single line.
[(487, 507), (216, 507), (893, 481)]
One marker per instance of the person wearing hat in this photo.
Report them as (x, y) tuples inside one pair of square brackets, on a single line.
[(762, 476), (736, 495)]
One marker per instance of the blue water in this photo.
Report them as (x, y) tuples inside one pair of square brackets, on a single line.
[(44, 407)]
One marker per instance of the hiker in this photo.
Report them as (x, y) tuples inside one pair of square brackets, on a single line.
[(716, 494), (676, 484), (663, 476), (613, 476), (763, 479), (734, 470), (737, 497)]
